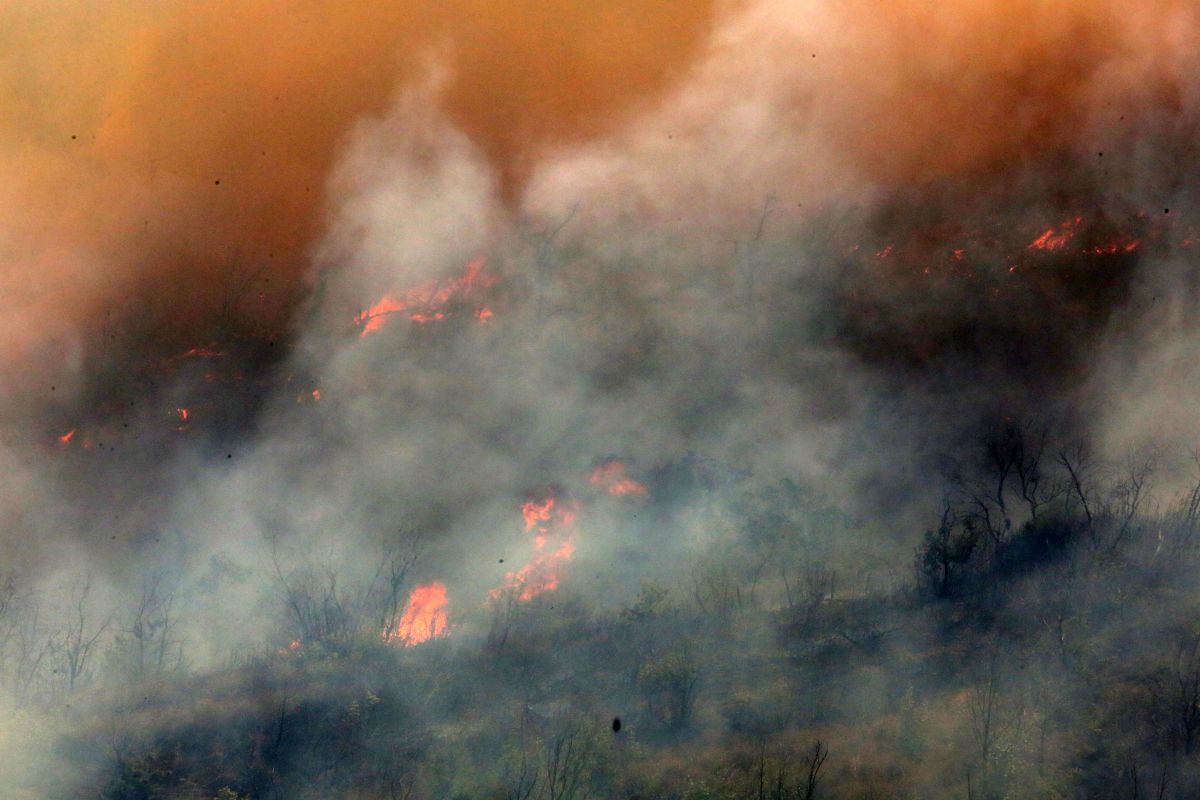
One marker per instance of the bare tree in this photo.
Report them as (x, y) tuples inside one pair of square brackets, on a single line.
[(988, 723), (1189, 514), (1056, 609), (1135, 784), (148, 631), (814, 762), (73, 647), (543, 242), (1185, 676), (717, 590), (1078, 464), (1011, 472), (784, 785), (324, 608), (26, 644), (387, 588), (747, 259), (807, 598), (1130, 494), (522, 772), (504, 603), (569, 756)]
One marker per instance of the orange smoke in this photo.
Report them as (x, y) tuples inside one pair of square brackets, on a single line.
[(919, 91), (609, 476), (424, 617), (177, 149)]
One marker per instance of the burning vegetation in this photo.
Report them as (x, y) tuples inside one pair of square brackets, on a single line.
[(433, 301), (423, 619), (549, 402)]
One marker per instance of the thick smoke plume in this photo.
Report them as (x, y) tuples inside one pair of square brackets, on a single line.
[(158, 150), (721, 245)]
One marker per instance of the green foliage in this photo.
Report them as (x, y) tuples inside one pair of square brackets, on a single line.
[(649, 603), (669, 685), (950, 546)]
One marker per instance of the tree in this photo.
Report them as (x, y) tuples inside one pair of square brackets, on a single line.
[(950, 545), (747, 258), (669, 686), (324, 607), (568, 758), (147, 634), (73, 647), (786, 784), (1185, 675)]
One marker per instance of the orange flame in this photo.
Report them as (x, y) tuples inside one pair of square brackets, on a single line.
[(182, 413), (1113, 248), (535, 512), (1056, 239), (423, 619), (425, 303), (202, 351), (552, 520), (539, 575), (67, 437), (610, 477)]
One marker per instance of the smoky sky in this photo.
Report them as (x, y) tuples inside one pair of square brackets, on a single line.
[(732, 243), (722, 231)]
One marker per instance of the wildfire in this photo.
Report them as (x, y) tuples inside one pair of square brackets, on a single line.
[(182, 413), (424, 617), (949, 250), (202, 351), (1112, 248), (428, 302), (552, 520), (67, 437), (534, 511), (1057, 238), (609, 476)]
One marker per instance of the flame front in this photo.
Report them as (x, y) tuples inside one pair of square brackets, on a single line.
[(551, 520), (423, 619), (1057, 238), (428, 302)]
